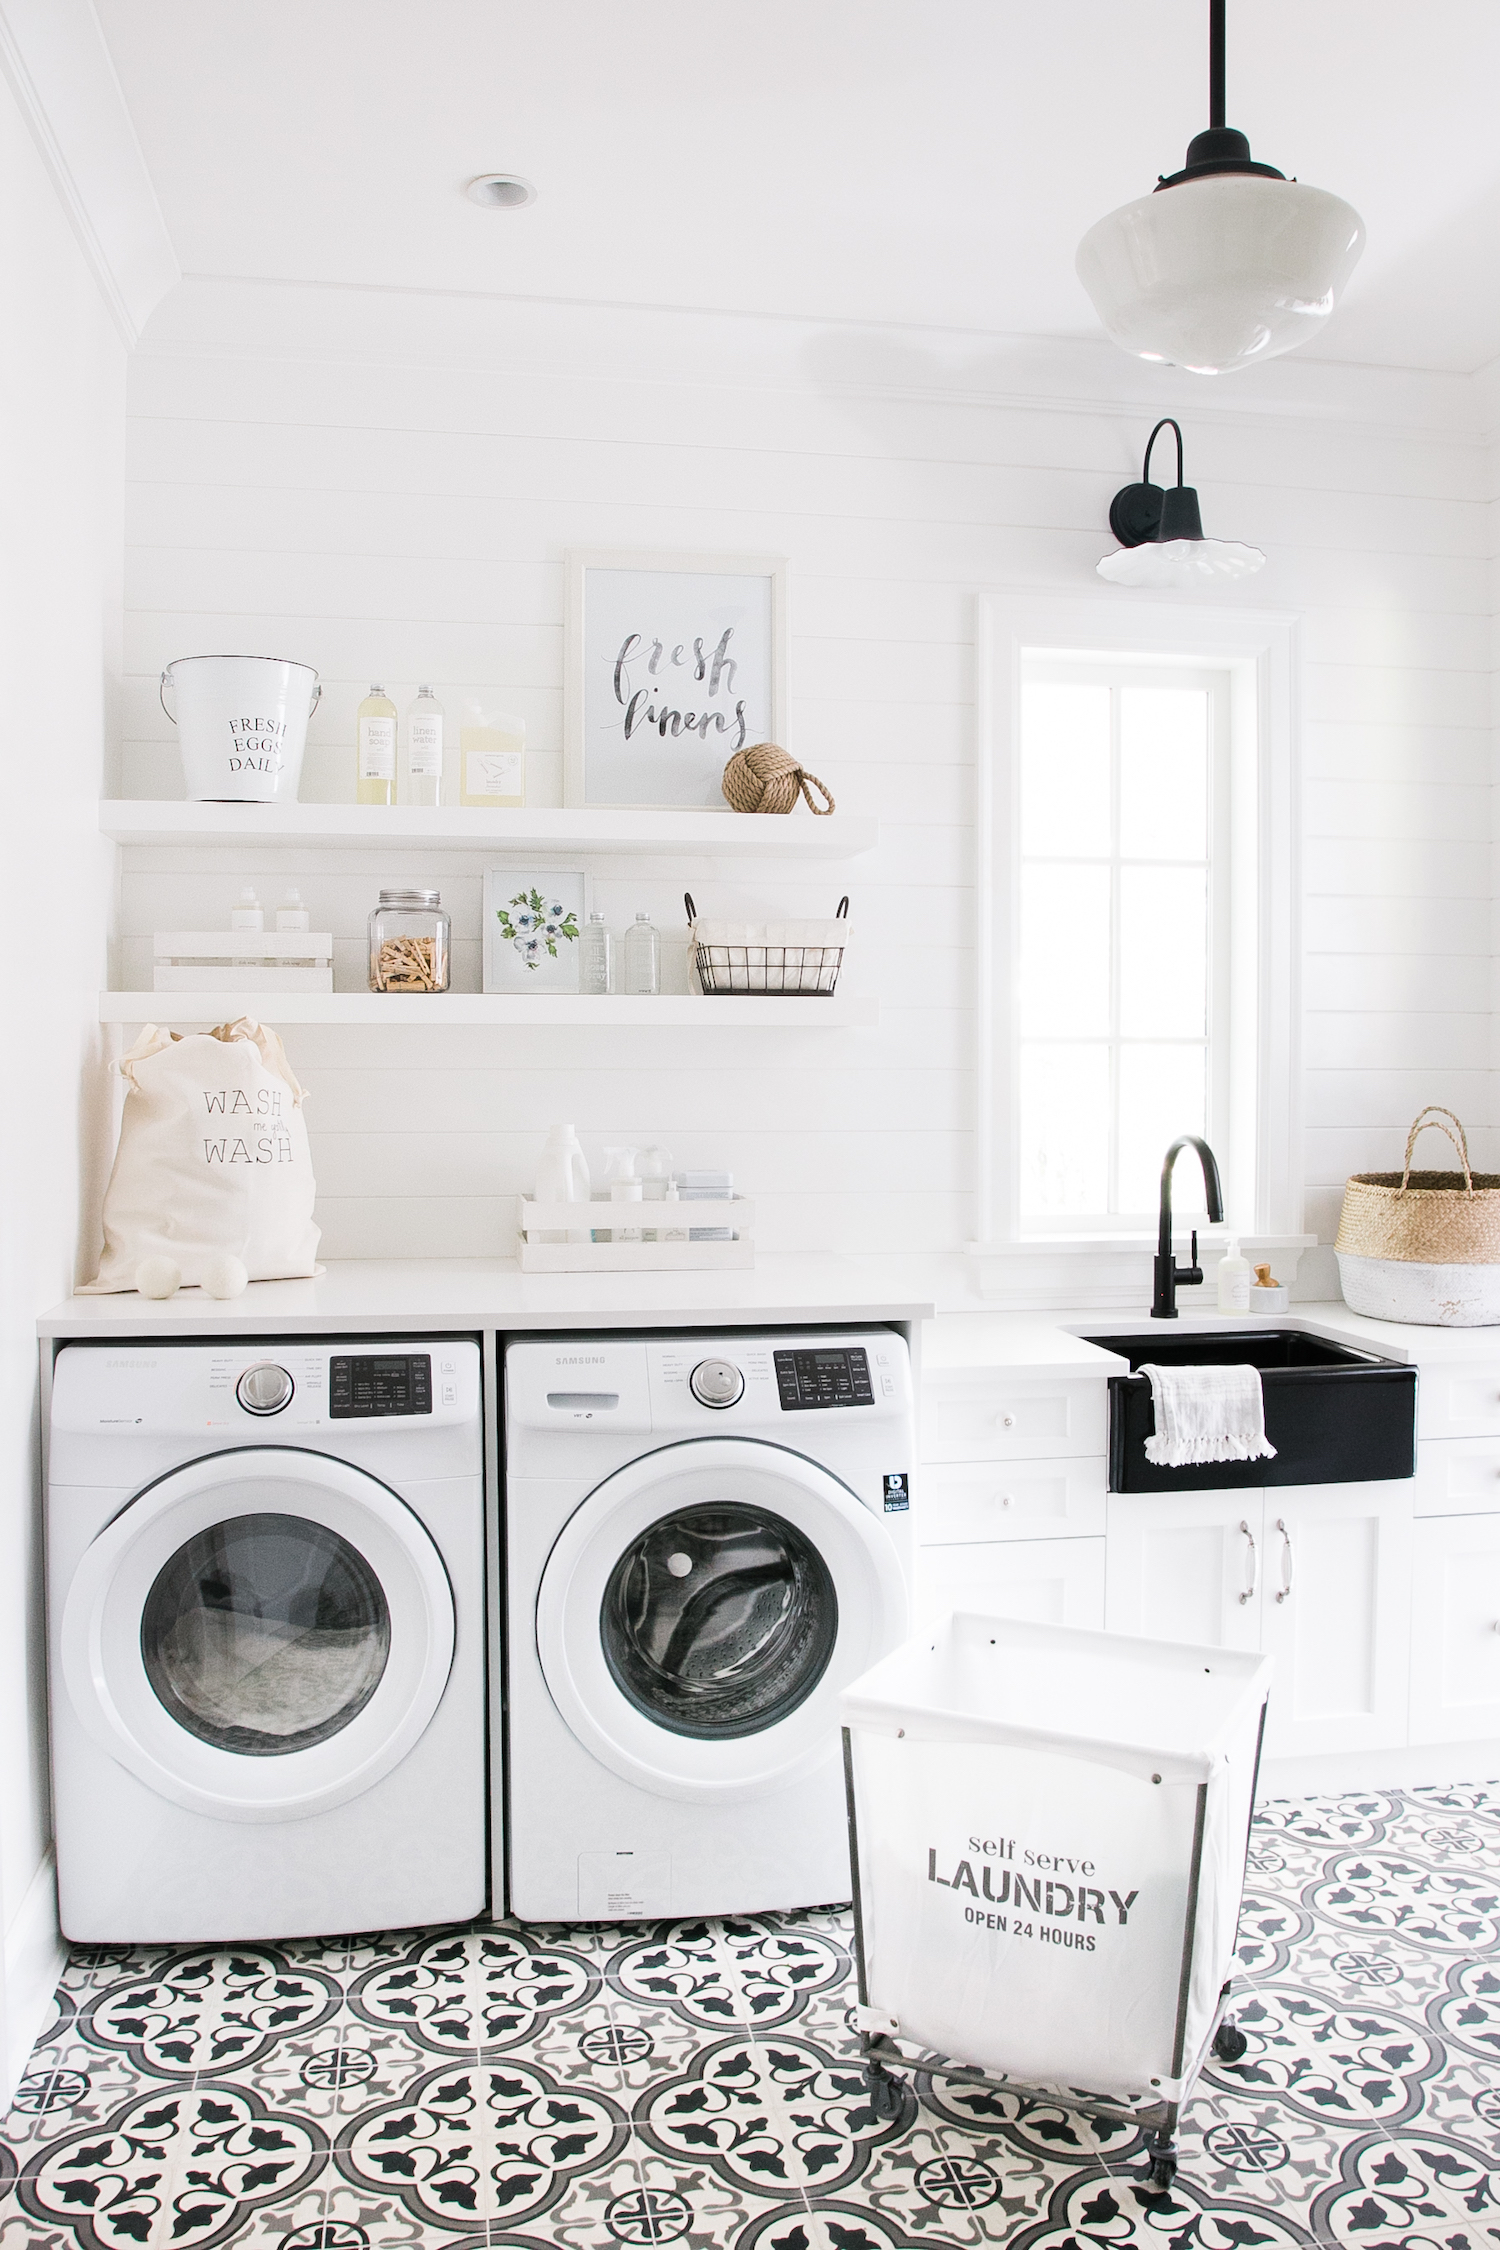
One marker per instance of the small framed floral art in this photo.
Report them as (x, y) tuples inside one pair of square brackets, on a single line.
[(533, 920)]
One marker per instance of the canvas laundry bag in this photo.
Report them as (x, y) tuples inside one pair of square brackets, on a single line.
[(213, 1157), (1051, 1829)]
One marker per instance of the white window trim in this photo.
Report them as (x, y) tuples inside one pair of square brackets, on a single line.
[(1259, 650)]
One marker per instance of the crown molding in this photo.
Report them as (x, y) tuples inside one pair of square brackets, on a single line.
[(54, 56)]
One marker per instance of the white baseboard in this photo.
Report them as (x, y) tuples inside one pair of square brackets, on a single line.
[(1421, 1765), (35, 1953)]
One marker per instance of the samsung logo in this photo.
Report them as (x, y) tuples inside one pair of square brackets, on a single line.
[(130, 1363), (581, 1359)]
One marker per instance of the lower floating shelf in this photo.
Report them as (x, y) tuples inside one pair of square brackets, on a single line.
[(668, 1009)]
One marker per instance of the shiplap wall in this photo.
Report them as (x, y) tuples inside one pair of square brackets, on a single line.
[(385, 486)]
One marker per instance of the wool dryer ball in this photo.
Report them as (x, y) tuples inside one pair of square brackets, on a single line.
[(224, 1275), (158, 1277)]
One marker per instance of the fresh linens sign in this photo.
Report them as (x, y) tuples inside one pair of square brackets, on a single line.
[(670, 672)]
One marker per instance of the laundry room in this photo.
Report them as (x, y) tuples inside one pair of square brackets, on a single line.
[(749, 1483)]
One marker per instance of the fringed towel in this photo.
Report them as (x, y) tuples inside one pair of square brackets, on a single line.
[(1207, 1414)]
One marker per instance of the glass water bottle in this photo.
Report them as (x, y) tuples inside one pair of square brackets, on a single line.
[(642, 951), (596, 957)]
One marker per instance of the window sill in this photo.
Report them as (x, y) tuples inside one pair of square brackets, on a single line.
[(1108, 1269)]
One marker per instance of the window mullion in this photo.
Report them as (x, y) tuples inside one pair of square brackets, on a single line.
[(1113, 1203)]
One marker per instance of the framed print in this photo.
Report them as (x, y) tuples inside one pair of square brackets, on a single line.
[(672, 663), (533, 922)]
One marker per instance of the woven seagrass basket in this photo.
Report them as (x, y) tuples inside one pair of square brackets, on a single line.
[(1418, 1246)]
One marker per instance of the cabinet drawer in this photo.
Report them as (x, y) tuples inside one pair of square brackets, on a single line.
[(1455, 1656), (1044, 1581), (987, 1415), (984, 1500), (1458, 1477), (1461, 1401)]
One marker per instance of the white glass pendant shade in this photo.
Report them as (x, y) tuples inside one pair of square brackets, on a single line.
[(1213, 274), (1181, 562)]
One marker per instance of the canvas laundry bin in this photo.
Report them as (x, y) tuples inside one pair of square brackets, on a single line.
[(213, 1157), (1423, 1246), (241, 724), (1049, 1831)]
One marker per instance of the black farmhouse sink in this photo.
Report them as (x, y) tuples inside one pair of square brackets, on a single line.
[(1334, 1414)]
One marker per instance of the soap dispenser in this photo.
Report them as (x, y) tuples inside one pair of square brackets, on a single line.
[(562, 1176), (1234, 1281)]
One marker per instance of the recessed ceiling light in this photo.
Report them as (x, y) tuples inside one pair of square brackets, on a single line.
[(501, 191)]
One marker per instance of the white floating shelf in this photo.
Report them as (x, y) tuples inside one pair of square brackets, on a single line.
[(705, 834), (670, 1009)]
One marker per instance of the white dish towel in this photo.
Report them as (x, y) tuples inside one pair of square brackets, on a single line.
[(1207, 1414)]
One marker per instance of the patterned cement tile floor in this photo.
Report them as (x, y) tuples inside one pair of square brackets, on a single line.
[(696, 2083)]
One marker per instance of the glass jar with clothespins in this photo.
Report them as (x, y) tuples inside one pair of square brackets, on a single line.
[(409, 942)]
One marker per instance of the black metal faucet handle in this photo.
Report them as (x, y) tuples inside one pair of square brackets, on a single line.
[(1192, 1273)]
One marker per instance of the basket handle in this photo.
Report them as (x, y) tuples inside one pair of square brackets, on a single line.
[(1431, 1115), (841, 911), (692, 911)]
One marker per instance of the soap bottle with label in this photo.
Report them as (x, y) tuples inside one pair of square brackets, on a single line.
[(249, 914), (1234, 1281), (376, 754), (291, 914), (424, 750)]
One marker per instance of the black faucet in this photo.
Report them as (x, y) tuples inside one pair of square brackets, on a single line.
[(1166, 1270)]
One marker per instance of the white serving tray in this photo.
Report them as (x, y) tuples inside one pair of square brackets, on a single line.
[(538, 1219)]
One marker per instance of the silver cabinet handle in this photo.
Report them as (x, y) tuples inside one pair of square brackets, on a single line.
[(1248, 1594), (1288, 1562)]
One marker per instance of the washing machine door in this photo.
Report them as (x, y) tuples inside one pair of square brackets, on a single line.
[(703, 1608), (259, 1635)]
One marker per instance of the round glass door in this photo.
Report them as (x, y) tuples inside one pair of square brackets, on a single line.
[(260, 1634), (719, 1621), (265, 1634)]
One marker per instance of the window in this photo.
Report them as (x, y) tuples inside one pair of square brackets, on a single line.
[(1122, 933)]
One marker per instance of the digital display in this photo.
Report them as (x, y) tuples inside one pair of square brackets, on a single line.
[(832, 1378), (379, 1383)]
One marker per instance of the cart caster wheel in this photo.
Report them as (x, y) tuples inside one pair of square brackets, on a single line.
[(1230, 2042), (1163, 2172), (884, 2092)]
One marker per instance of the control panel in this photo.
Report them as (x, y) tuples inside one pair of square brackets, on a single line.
[(362, 1385), (807, 1379)]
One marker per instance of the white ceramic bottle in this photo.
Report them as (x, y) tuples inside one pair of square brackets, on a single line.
[(624, 1184), (291, 914), (1234, 1281), (562, 1176), (249, 914)]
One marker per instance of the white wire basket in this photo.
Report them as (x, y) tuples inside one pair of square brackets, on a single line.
[(792, 958)]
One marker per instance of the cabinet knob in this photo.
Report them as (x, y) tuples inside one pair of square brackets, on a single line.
[(1007, 1421), (1005, 1503)]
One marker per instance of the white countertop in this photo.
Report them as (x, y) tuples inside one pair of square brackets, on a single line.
[(360, 1297), (386, 1295)]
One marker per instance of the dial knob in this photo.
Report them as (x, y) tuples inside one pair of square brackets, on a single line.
[(264, 1388), (717, 1382)]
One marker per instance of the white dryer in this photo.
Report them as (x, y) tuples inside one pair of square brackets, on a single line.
[(706, 1539), (266, 1609)]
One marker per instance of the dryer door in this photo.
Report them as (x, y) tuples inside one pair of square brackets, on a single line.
[(259, 1635), (703, 1608)]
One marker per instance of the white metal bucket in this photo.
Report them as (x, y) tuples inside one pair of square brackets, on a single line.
[(242, 724)]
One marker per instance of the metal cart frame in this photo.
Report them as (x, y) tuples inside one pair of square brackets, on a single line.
[(880, 2049)]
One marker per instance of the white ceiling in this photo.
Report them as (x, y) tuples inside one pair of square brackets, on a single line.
[(928, 162)]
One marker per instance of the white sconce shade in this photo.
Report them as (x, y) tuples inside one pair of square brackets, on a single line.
[(1160, 530), (1216, 273)]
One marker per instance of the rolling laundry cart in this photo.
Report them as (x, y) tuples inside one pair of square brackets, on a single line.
[(1048, 1831)]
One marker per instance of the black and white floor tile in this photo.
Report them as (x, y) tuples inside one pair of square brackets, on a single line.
[(698, 2082)]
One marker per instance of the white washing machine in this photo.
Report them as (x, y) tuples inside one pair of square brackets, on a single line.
[(706, 1539), (266, 1609)]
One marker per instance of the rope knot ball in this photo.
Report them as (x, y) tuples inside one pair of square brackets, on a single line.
[(765, 778)]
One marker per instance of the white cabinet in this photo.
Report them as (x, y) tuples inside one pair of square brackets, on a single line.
[(1458, 1476), (1336, 1615), (1455, 1664), (1044, 1581), (964, 1501), (1459, 1401), (1185, 1566), (990, 1414)]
